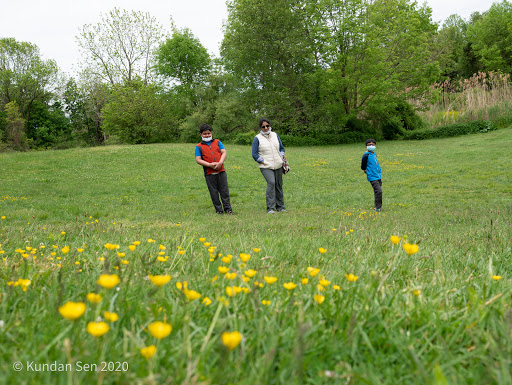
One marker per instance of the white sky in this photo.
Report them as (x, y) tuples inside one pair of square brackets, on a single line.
[(53, 24)]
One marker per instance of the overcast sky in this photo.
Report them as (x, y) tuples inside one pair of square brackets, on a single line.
[(53, 24)]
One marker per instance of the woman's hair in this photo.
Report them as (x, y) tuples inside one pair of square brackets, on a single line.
[(263, 120), (205, 127)]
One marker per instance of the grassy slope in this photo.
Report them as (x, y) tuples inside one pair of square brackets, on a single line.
[(451, 196)]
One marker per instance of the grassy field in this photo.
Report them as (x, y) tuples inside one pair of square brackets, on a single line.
[(371, 314)]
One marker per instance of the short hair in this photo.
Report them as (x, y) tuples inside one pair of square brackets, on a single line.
[(262, 120), (205, 127), (370, 140)]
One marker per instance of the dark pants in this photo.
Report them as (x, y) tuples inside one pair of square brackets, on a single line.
[(377, 191), (218, 185), (275, 198)]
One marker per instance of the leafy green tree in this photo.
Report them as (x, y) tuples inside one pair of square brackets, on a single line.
[(48, 124), (138, 113), (15, 137), (24, 76), (121, 47), (183, 59), (491, 37)]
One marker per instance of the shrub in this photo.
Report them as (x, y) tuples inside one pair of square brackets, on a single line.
[(474, 127)]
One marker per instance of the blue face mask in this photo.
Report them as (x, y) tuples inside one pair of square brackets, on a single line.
[(371, 148)]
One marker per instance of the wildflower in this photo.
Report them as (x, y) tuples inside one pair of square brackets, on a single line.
[(162, 247), (136, 243), (496, 277), (159, 280), (245, 257), (250, 273), (313, 271), (320, 287), (336, 287), (231, 340), (229, 291), (289, 286), (270, 280), (207, 244), (125, 262), (80, 250), (230, 276), (215, 278), (256, 250), (63, 232), (319, 298), (160, 329), (97, 329), (110, 316), (416, 292), (322, 250), (121, 255), (351, 277), (180, 285), (191, 294), (94, 298), (395, 240), (410, 248), (132, 247), (181, 252), (324, 282), (108, 281), (223, 269), (162, 259), (148, 351), (151, 240), (206, 301), (265, 302), (304, 281), (246, 290), (72, 310), (211, 249), (202, 240)]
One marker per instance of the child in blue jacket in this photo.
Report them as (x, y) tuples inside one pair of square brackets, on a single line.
[(371, 168)]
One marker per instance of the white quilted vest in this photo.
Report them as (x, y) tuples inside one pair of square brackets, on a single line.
[(269, 151)]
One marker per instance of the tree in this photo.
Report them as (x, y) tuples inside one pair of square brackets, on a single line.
[(15, 137), (121, 47), (24, 76), (138, 113), (183, 59)]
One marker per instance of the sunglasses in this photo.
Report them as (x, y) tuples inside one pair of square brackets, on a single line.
[(268, 125)]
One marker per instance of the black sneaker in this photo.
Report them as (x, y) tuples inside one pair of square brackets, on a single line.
[(220, 212), (230, 212)]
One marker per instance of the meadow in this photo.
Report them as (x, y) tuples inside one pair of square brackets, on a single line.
[(116, 270)]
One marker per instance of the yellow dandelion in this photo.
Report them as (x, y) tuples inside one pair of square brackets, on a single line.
[(94, 298), (206, 301), (270, 280), (159, 280), (351, 277), (230, 276), (148, 351), (304, 281), (110, 316), (97, 329), (256, 250), (395, 240), (496, 277), (231, 339), (245, 257), (250, 273), (160, 329), (289, 286), (72, 310), (191, 294), (313, 271), (108, 281), (319, 298), (410, 248), (322, 250), (223, 269)]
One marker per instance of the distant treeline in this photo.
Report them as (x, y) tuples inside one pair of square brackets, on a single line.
[(323, 72)]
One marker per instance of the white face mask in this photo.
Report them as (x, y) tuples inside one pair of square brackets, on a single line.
[(268, 132), (371, 148), (207, 139)]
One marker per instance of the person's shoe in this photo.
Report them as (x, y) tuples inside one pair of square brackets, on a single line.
[(230, 212), (271, 212), (282, 211), (377, 210), (220, 212)]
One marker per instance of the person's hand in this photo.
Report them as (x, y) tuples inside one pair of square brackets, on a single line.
[(213, 165), (217, 166), (364, 171)]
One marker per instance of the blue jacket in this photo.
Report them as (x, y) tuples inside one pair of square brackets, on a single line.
[(370, 164)]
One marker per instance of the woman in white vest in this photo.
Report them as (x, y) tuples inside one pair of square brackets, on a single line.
[(268, 152)]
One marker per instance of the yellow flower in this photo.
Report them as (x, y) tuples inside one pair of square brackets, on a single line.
[(132, 247), (108, 281), (324, 282), (202, 240), (304, 281), (72, 310), (351, 277), (230, 291), (230, 276), (206, 301), (270, 280), (97, 329), (94, 298), (231, 340), (289, 286), (160, 329), (162, 259), (121, 255), (410, 248), (65, 250), (162, 247), (211, 249), (320, 287), (148, 351), (416, 292), (125, 262), (80, 250), (191, 294), (136, 243), (110, 316), (336, 287), (151, 240), (250, 273), (181, 252), (207, 244), (313, 271), (223, 269), (256, 250), (245, 257), (265, 302), (159, 280), (395, 240), (63, 232), (322, 250), (319, 298), (496, 277)]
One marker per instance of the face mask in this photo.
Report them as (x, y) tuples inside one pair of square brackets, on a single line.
[(268, 132), (371, 148), (207, 139)]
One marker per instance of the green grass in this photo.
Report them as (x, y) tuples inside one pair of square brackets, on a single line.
[(452, 197)]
